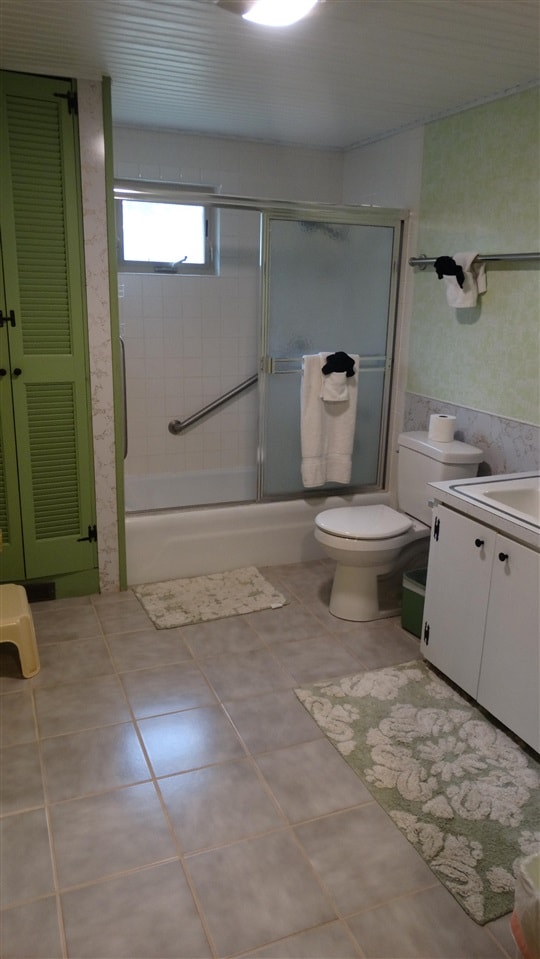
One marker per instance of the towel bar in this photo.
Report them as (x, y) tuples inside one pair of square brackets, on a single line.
[(423, 261)]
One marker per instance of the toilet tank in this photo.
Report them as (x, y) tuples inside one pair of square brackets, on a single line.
[(422, 461)]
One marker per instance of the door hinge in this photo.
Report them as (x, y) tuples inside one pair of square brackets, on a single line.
[(426, 634), (71, 99), (436, 528), (92, 535)]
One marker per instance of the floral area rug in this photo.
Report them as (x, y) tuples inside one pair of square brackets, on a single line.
[(182, 602), (460, 790)]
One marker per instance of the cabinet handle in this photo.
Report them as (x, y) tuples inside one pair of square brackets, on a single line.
[(7, 319), (3, 372), (503, 557), (17, 371), (479, 542)]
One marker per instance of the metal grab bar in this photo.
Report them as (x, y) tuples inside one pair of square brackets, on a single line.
[(178, 426)]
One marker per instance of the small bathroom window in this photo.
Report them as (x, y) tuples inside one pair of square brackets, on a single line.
[(158, 233)]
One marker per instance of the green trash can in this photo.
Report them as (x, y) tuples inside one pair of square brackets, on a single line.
[(412, 603)]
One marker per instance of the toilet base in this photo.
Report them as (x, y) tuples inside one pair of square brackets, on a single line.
[(355, 593)]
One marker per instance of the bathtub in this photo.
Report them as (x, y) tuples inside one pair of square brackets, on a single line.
[(151, 491), (171, 544)]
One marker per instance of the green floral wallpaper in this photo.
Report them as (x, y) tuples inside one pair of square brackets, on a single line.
[(480, 192)]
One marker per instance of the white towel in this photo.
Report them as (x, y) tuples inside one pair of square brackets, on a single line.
[(327, 428), (474, 282), (334, 387)]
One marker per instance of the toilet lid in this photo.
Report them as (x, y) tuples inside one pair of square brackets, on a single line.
[(363, 522)]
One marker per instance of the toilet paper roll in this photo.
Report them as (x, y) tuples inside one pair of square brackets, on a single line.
[(441, 428)]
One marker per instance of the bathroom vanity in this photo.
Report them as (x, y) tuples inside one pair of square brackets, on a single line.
[(481, 614)]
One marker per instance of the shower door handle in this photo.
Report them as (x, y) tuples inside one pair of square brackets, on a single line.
[(294, 364), (124, 394)]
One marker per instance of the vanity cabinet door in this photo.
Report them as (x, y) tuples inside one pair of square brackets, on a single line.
[(457, 591), (508, 685)]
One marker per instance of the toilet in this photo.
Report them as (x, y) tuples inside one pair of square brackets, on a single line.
[(370, 542)]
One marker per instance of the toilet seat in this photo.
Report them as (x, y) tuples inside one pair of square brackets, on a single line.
[(363, 522)]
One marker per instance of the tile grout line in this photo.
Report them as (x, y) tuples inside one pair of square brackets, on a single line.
[(52, 847), (172, 833)]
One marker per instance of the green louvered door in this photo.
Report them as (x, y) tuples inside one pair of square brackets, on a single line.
[(46, 439)]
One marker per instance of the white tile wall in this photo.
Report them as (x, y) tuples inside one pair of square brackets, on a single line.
[(190, 339), (387, 173)]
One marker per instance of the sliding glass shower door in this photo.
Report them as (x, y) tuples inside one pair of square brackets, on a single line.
[(328, 285)]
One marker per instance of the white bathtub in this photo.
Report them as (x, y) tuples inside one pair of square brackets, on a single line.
[(197, 488), (171, 544)]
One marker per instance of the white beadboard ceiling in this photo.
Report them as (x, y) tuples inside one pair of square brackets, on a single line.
[(353, 72)]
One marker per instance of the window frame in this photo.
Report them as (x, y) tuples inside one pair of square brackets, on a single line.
[(148, 191)]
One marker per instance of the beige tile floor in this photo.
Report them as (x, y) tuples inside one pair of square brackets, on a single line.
[(166, 796)]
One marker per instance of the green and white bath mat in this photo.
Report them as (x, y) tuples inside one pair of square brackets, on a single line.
[(182, 602), (460, 790)]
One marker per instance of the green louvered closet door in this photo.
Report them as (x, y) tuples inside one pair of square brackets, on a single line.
[(46, 472)]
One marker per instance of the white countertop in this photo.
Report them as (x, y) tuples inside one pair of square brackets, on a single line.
[(458, 495)]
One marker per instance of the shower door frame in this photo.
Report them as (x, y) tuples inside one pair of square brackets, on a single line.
[(343, 215), (269, 209)]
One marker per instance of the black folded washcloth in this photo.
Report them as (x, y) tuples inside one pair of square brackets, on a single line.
[(447, 266), (339, 363)]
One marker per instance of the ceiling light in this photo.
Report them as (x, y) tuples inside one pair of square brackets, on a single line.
[(270, 13), (278, 13)]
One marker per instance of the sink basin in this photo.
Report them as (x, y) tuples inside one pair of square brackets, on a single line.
[(525, 500), (516, 495)]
